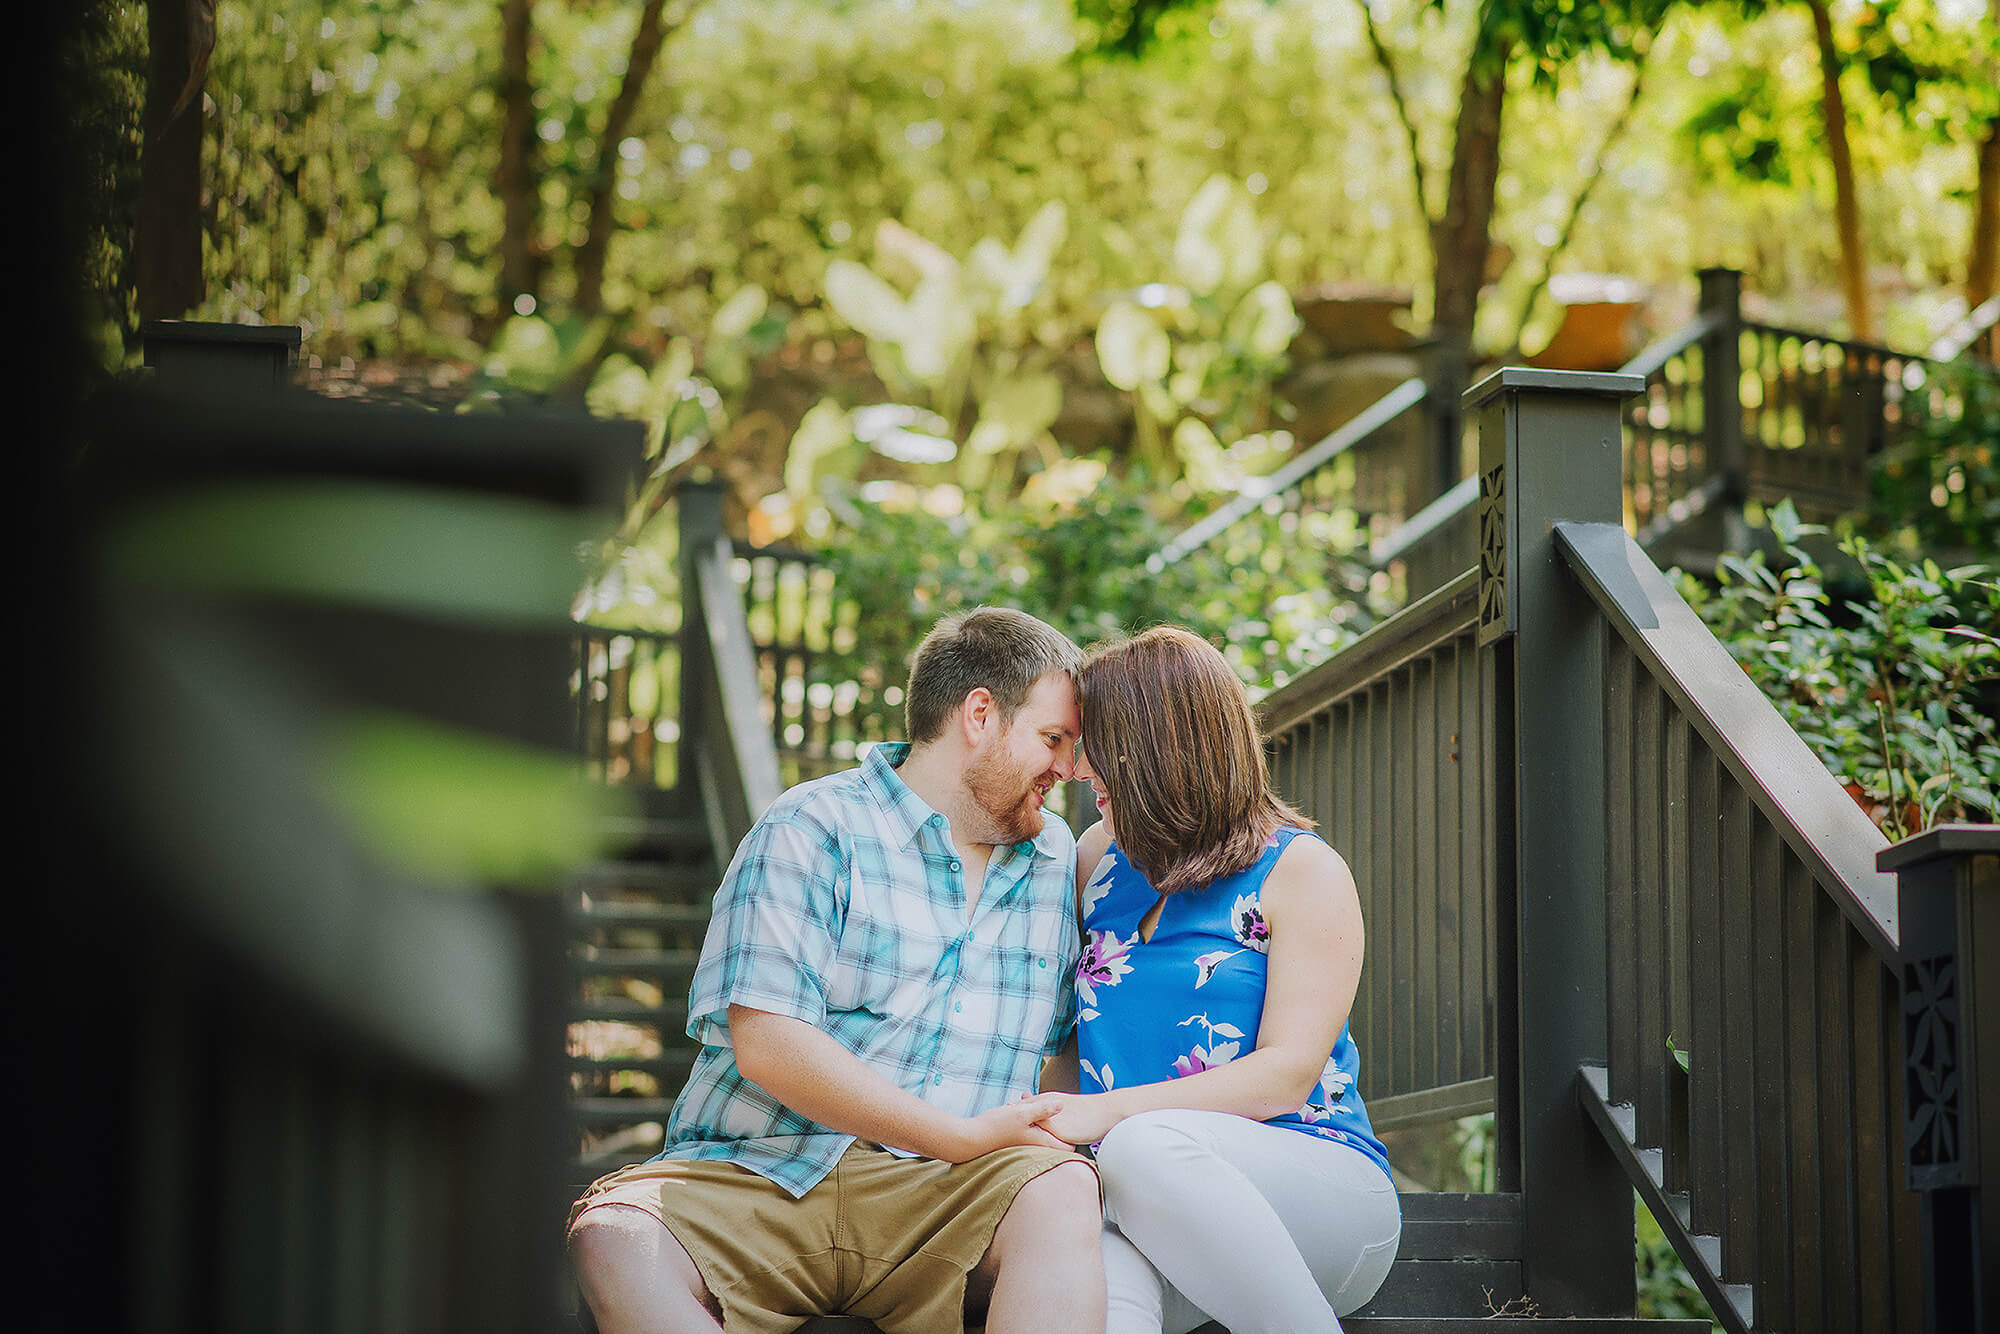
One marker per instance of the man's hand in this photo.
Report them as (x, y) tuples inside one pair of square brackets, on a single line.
[(1006, 1126), (1080, 1118), (812, 1074)]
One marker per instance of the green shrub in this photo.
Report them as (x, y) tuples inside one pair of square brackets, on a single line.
[(1893, 688)]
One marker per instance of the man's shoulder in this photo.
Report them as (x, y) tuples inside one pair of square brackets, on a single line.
[(830, 806)]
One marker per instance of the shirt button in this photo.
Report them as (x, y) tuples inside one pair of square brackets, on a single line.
[(937, 1079), (954, 866), (958, 1007), (1041, 963)]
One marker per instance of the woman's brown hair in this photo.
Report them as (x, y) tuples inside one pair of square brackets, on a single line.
[(1171, 736)]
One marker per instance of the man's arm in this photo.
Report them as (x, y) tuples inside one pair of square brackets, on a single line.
[(812, 1074)]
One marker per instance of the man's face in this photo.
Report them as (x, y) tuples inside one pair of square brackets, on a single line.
[(1014, 766)]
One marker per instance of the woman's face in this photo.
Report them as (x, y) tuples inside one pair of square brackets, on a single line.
[(1086, 772)]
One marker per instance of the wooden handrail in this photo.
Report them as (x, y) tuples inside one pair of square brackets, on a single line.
[(1410, 633), (737, 763), (1370, 420), (1817, 818)]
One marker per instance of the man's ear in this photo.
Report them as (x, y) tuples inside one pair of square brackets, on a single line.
[(976, 714)]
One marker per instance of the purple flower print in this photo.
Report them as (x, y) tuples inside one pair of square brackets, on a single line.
[(1104, 961), (1215, 1053), (1248, 920), (1205, 1058)]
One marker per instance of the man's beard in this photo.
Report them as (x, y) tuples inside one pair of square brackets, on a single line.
[(1005, 799)]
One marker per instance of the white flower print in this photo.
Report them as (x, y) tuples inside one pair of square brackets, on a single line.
[(1105, 1079), (1206, 964), (1247, 919), (1098, 885)]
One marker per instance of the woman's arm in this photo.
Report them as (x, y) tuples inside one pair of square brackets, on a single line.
[(1059, 1072), (1314, 913), (1090, 850)]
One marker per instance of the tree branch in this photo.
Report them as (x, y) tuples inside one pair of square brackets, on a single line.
[(647, 41), (1590, 179), (1402, 105)]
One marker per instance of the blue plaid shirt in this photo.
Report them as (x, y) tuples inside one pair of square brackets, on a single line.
[(844, 908)]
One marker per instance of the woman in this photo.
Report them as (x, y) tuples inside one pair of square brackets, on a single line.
[(1242, 1181)]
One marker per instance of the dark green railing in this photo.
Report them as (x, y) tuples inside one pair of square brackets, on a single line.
[(1613, 897), (1731, 411)]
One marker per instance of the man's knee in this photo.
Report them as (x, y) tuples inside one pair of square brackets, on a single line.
[(615, 1246), (1063, 1200)]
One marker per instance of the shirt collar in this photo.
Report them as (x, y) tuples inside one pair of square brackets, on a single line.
[(908, 813)]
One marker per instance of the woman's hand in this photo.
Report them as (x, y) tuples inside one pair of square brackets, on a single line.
[(1081, 1118)]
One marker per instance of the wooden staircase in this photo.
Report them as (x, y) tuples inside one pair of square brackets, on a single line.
[(635, 932), (1458, 1271)]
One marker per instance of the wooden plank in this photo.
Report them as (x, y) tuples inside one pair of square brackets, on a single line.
[(1427, 921), (1773, 1153), (1621, 927), (1648, 724), (1474, 876), (1802, 1011), (1705, 1182), (1736, 1028)]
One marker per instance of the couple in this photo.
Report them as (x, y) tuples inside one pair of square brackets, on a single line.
[(899, 949)]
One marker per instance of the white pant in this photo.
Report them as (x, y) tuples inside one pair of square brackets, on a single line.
[(1210, 1216)]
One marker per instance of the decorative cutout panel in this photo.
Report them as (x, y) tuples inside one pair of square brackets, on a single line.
[(1934, 1076), (1494, 617)]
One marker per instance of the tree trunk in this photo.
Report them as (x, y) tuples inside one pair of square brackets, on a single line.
[(1984, 264), (520, 265), (647, 40), (1459, 245), (1846, 208), (167, 215)]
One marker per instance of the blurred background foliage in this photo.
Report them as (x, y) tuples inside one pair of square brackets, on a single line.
[(1016, 271)]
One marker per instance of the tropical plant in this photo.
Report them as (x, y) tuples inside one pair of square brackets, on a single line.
[(1893, 688)]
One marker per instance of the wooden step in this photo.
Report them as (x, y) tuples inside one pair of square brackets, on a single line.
[(683, 882), (670, 1068), (670, 1018), (593, 912), (599, 960), (1356, 1324), (674, 837), (596, 1113)]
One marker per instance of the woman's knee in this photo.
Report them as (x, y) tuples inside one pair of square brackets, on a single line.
[(1140, 1146)]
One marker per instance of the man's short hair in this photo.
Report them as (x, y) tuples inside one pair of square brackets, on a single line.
[(1004, 650)]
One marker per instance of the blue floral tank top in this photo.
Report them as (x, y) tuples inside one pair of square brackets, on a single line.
[(1192, 997)]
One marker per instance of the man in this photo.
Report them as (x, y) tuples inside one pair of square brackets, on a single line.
[(889, 962)]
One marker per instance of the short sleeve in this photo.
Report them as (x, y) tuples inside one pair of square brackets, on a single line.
[(1071, 953), (776, 927)]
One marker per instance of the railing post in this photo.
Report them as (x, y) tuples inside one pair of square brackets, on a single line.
[(225, 359), (699, 509), (1721, 302), (1948, 913), (1550, 444)]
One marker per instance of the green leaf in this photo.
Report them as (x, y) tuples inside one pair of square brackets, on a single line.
[(1131, 347), (866, 302), (464, 807)]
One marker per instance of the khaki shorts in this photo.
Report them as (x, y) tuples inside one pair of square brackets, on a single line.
[(885, 1238)]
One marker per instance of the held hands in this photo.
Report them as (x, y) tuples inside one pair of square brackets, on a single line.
[(1006, 1126), (1078, 1118)]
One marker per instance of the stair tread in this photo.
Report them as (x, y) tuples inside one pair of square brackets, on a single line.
[(612, 1110), (615, 959), (623, 1010), (601, 912)]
